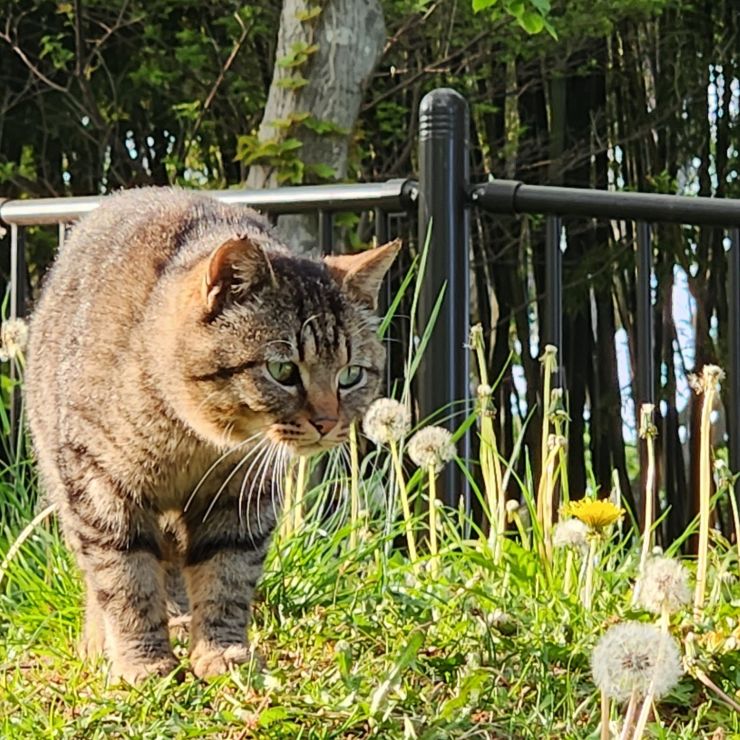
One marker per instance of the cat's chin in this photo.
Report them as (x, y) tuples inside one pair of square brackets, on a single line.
[(309, 450)]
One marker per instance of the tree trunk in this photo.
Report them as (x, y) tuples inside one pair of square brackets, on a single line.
[(322, 65)]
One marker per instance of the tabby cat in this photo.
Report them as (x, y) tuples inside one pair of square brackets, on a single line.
[(178, 356)]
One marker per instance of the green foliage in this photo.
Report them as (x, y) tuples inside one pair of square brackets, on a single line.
[(531, 15)]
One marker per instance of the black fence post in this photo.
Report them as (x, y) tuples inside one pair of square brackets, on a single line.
[(444, 372), (644, 359), (326, 231), (733, 410)]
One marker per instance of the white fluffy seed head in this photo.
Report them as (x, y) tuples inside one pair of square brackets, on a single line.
[(665, 583), (570, 533), (484, 391), (13, 338), (634, 658), (512, 506), (431, 447), (386, 421)]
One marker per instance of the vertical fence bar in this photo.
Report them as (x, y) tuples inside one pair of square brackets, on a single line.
[(444, 372), (17, 271), (645, 340), (554, 292), (17, 310), (326, 231), (382, 236), (733, 411)]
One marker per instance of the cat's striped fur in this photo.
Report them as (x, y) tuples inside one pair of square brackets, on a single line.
[(158, 422)]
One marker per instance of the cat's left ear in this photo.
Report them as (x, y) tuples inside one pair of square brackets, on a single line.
[(361, 275), (236, 260)]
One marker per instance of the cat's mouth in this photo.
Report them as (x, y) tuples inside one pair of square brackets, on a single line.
[(304, 441)]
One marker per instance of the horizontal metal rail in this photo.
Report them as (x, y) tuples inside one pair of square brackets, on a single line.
[(513, 196), (392, 196)]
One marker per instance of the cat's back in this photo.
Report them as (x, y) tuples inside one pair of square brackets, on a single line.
[(99, 289), (114, 256)]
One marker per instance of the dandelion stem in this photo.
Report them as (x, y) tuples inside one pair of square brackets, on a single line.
[(665, 618), (545, 493), (605, 713), (648, 432), (629, 718), (403, 493), (709, 387), (354, 487), (489, 457), (643, 718), (522, 531), (589, 585), (568, 571), (434, 561), (286, 527), (699, 673), (300, 490)]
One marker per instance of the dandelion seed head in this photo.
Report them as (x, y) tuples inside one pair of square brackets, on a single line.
[(665, 583), (570, 533), (557, 441), (431, 447), (386, 421), (710, 377), (13, 338), (634, 657), (550, 351), (647, 426), (512, 506), (484, 391)]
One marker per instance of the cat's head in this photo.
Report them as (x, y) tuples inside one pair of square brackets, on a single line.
[(281, 346)]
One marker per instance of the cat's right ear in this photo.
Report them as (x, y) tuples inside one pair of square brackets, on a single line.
[(237, 260)]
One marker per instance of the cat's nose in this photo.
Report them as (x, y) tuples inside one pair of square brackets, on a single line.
[(324, 424)]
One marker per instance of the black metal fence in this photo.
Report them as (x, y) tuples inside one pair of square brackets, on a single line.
[(443, 198)]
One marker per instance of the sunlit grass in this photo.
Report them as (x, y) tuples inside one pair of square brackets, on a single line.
[(376, 619)]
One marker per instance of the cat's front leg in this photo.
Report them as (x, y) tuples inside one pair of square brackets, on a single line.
[(117, 546), (223, 564)]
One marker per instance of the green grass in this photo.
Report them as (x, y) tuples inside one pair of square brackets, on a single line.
[(354, 646), (357, 642)]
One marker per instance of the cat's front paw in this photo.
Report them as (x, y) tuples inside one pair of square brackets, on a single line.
[(209, 660), (136, 672)]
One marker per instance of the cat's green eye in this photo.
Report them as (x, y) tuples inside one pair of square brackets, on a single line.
[(286, 373), (351, 375)]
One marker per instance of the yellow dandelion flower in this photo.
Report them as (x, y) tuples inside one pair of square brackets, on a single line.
[(595, 513)]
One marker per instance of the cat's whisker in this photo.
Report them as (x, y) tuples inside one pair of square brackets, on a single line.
[(226, 482), (259, 481), (278, 477), (265, 448), (214, 466)]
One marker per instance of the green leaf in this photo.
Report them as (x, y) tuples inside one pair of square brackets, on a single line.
[(272, 715), (515, 8), (479, 5), (322, 171), (307, 15), (294, 82), (531, 22)]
